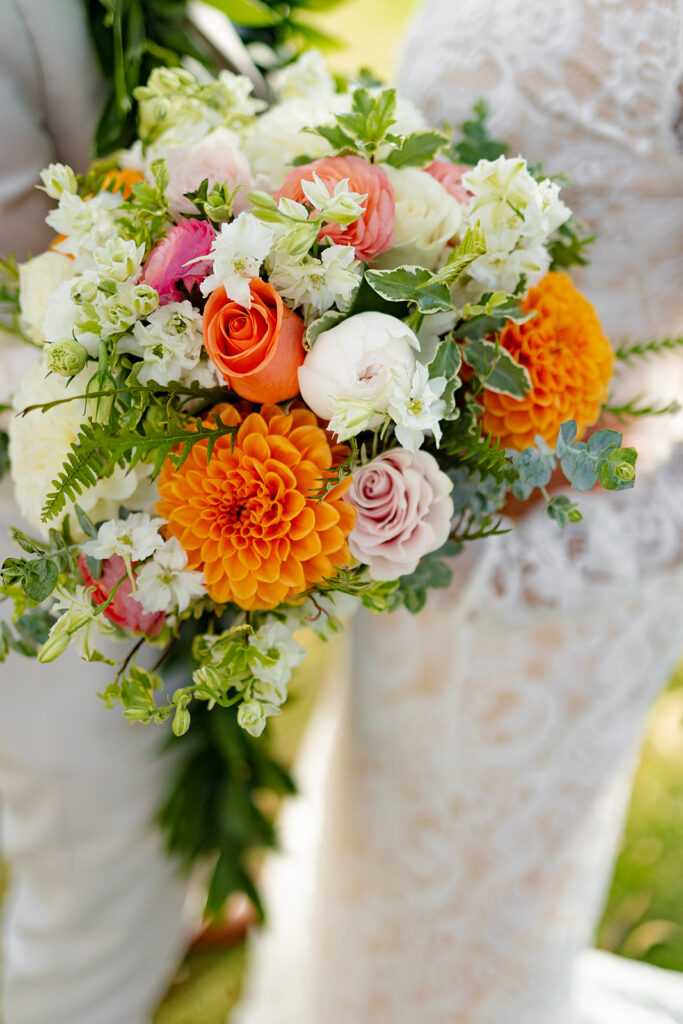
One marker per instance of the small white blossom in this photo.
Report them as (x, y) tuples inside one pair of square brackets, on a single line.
[(251, 716), (341, 207), (165, 584), (130, 303), (86, 223), (118, 258), (237, 254), (133, 539), (275, 639), (317, 283), (419, 409), (170, 344), (57, 179), (78, 624), (307, 76)]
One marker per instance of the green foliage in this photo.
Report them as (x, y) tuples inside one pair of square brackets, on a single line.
[(212, 810), (26, 634), (38, 576), (600, 458), (630, 351), (10, 312), (475, 143), (534, 467), (96, 453), (330, 318), (215, 203), (376, 596), (144, 217), (569, 245), (446, 363), (490, 315), (417, 149), (472, 246), (496, 368), (563, 510), (4, 453), (638, 407), (410, 284), (431, 573), (466, 445)]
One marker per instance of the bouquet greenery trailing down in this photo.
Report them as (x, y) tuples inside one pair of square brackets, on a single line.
[(293, 359)]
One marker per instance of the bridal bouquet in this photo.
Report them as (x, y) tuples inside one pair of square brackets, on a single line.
[(291, 360)]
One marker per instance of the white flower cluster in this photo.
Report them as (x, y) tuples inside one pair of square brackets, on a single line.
[(165, 584), (170, 344), (277, 654), (517, 214), (238, 253)]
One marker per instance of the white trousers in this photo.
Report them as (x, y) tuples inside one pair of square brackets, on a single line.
[(94, 925)]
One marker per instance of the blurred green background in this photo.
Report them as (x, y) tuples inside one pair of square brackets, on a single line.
[(644, 915)]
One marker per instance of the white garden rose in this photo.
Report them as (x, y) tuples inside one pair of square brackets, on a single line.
[(426, 218), (350, 375), (39, 278), (39, 442)]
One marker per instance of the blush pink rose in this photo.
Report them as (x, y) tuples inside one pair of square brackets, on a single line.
[(450, 176), (167, 263), (217, 157), (124, 610), (403, 511), (373, 232)]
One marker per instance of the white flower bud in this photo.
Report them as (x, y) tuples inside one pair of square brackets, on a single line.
[(66, 357), (251, 716), (57, 179)]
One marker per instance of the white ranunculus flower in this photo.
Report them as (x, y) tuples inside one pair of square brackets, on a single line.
[(348, 375), (39, 278), (217, 156), (40, 441), (278, 136), (426, 218)]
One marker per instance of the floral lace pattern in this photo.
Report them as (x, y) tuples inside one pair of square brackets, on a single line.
[(479, 778)]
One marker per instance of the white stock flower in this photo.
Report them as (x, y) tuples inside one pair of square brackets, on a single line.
[(251, 716), (118, 258), (78, 624), (133, 539), (341, 207), (279, 137), (57, 179), (275, 640), (426, 218), (40, 441), (86, 223), (307, 76), (171, 346), (39, 278), (216, 157), (237, 253), (165, 584), (417, 409), (129, 303), (517, 215), (346, 378), (317, 283)]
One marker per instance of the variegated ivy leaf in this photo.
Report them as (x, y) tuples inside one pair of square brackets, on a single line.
[(330, 318), (446, 363), (496, 367), (411, 284)]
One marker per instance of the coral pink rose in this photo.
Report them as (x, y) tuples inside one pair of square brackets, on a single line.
[(166, 265), (450, 176), (403, 511), (373, 232), (123, 610)]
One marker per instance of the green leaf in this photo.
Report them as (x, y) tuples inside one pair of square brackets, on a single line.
[(413, 589), (417, 149), (617, 471), (341, 142), (410, 284), (330, 318), (446, 363), (463, 255), (250, 13), (40, 579), (563, 510), (476, 144), (86, 523), (498, 370)]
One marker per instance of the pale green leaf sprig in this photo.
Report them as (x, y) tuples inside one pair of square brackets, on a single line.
[(365, 131)]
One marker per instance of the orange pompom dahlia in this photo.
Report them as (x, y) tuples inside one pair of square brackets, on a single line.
[(570, 362), (249, 519)]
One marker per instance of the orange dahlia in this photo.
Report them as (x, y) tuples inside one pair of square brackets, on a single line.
[(570, 362), (249, 518)]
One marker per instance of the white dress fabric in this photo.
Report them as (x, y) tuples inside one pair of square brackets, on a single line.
[(479, 776), (94, 923)]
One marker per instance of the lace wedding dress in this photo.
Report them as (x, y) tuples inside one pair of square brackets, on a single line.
[(452, 857)]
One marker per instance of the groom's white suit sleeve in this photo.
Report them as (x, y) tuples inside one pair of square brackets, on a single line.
[(94, 924)]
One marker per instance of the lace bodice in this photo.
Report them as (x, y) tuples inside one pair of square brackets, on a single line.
[(479, 778)]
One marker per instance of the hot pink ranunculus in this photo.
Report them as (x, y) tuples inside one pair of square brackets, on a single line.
[(124, 610), (166, 264), (403, 511), (450, 176), (373, 232)]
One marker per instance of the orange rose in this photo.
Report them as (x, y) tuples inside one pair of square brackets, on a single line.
[(258, 351)]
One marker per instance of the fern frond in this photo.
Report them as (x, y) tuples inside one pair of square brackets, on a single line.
[(638, 407), (478, 452), (95, 454), (629, 351)]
